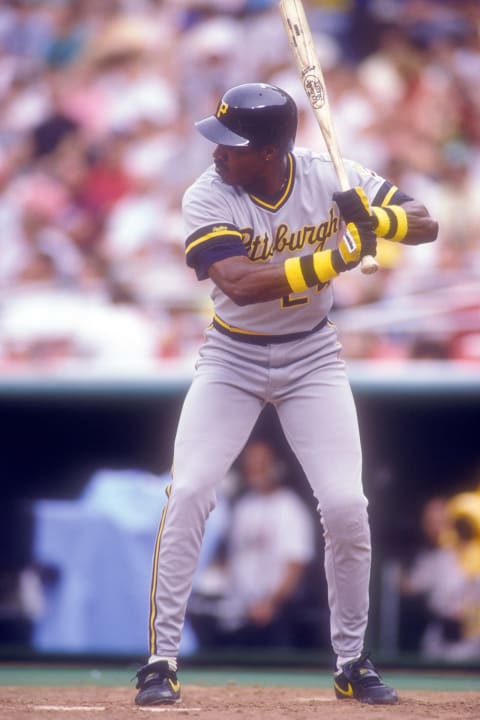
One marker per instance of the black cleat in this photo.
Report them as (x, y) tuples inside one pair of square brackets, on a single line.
[(359, 680), (157, 685)]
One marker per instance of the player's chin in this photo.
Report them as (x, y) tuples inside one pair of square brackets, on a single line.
[(224, 175)]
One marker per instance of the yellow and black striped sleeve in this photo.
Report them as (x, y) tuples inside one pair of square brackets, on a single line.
[(389, 194), (389, 217), (212, 243)]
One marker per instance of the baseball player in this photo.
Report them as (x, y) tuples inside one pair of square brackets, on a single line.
[(266, 224)]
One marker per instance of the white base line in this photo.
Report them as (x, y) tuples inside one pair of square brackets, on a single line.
[(169, 708), (70, 708), (102, 708), (316, 700)]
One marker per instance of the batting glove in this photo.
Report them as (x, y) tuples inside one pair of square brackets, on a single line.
[(359, 238)]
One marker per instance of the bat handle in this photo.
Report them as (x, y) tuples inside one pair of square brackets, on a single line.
[(368, 265)]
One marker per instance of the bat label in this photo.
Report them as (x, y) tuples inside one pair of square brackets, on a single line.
[(314, 89)]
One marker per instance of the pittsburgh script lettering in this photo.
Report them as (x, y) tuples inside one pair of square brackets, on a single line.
[(263, 247)]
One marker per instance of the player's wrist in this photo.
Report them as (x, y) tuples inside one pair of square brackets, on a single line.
[(390, 222), (324, 268), (338, 262), (350, 245), (306, 272)]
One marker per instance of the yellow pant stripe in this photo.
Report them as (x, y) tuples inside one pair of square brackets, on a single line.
[(153, 590)]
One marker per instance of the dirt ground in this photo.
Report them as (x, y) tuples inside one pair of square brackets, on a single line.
[(230, 702)]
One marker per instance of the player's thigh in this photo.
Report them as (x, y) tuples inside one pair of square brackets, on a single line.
[(216, 420), (319, 420)]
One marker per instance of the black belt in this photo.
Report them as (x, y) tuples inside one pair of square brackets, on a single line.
[(266, 339)]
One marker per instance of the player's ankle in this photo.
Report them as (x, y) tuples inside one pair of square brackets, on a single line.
[(343, 660), (172, 661)]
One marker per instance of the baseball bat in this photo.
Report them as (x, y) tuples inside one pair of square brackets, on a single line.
[(308, 65)]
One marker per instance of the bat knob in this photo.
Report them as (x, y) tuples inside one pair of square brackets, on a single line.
[(368, 265)]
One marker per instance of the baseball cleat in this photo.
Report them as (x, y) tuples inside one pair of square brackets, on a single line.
[(359, 680), (157, 685)]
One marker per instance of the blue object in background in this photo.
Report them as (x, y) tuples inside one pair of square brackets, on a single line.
[(99, 549)]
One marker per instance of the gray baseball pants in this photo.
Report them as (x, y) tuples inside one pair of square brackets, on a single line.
[(306, 382)]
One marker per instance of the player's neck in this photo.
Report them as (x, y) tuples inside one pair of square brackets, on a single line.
[(272, 183)]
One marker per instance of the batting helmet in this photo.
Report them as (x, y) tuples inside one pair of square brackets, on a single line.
[(252, 115)]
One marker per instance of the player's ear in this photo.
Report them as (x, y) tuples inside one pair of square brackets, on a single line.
[(269, 152)]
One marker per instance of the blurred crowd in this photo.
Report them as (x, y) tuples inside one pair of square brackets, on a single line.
[(63, 589), (261, 586), (97, 145), (442, 582)]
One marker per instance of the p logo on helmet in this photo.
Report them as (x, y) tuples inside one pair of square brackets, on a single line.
[(222, 108), (252, 115)]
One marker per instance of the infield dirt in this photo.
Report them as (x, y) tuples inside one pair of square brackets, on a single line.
[(230, 702)]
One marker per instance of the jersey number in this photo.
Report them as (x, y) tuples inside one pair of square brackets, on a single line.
[(294, 300), (291, 300)]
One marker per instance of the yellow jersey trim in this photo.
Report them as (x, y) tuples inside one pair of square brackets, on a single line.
[(234, 329), (284, 195), (210, 235), (389, 195)]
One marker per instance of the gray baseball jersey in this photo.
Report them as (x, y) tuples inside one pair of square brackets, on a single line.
[(282, 352), (223, 220)]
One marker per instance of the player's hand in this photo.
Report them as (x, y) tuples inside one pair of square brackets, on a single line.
[(359, 238), (353, 205)]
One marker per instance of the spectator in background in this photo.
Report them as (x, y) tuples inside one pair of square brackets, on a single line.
[(70, 33), (433, 580), (95, 95), (260, 581), (444, 578), (464, 510), (21, 593)]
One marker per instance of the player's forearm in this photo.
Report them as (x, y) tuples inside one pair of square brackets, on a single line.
[(246, 282), (422, 228), (409, 224)]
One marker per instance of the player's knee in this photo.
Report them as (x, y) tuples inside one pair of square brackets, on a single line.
[(193, 495), (346, 517)]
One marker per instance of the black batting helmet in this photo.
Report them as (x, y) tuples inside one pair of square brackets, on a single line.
[(252, 115)]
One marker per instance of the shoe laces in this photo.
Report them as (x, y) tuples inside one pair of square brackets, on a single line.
[(156, 672), (364, 671)]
